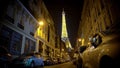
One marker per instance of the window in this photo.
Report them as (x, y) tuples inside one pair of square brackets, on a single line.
[(29, 46), (22, 20), (16, 43), (40, 46), (10, 13), (11, 40), (5, 37)]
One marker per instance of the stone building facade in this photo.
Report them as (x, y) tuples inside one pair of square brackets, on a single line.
[(46, 35), (21, 32), (98, 16), (17, 28)]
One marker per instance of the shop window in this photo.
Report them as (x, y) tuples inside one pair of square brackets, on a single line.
[(11, 40), (5, 37), (16, 43)]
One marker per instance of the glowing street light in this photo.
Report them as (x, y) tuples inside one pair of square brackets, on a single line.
[(79, 40), (40, 28), (41, 23)]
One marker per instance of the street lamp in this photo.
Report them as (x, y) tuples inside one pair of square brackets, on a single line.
[(79, 40), (41, 23)]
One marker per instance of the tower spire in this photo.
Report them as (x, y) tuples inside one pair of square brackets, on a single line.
[(63, 12), (64, 35)]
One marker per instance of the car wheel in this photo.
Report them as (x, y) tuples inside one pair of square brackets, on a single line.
[(107, 62)]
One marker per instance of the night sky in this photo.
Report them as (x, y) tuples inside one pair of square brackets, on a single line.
[(72, 10)]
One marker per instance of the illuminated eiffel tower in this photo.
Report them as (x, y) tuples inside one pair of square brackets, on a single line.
[(64, 35)]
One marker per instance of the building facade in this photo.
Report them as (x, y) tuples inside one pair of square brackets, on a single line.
[(98, 16), (46, 32), (27, 28), (17, 29)]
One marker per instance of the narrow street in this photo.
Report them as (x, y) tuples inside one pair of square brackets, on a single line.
[(43, 33), (64, 65)]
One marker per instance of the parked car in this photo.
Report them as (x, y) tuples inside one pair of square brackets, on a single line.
[(5, 58), (48, 62), (55, 60), (104, 51), (30, 60)]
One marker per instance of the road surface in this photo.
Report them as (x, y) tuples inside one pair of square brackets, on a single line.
[(63, 65)]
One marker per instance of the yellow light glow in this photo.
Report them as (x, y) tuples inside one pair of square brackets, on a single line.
[(79, 40), (64, 34), (38, 30), (62, 49), (83, 42), (88, 43), (41, 23)]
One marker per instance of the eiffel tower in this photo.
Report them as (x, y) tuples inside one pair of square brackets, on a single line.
[(64, 35)]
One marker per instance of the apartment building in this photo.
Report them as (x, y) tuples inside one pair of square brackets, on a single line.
[(27, 27), (17, 29), (98, 16)]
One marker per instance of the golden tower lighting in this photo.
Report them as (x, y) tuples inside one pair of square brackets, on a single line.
[(64, 35)]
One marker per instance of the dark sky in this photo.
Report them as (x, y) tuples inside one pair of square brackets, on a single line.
[(72, 10)]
